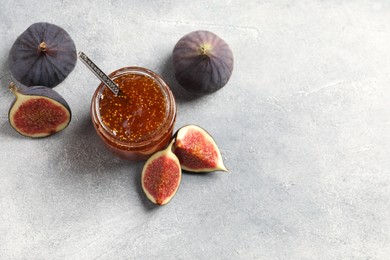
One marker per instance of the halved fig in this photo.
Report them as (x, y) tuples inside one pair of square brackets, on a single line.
[(197, 150), (38, 111), (161, 176)]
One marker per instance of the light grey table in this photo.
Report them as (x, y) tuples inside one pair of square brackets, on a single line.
[(303, 125)]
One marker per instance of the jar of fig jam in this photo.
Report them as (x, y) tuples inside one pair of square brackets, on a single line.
[(140, 120)]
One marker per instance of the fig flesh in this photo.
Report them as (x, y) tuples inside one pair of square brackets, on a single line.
[(161, 176), (43, 55), (197, 150), (38, 111), (202, 61)]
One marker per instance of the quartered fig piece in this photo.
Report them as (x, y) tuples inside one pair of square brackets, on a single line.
[(202, 61), (43, 55), (161, 176), (197, 150), (38, 111)]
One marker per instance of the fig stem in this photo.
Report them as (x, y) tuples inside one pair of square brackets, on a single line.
[(12, 87), (204, 49), (171, 144), (42, 46)]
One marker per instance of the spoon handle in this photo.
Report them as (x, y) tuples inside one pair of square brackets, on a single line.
[(99, 73)]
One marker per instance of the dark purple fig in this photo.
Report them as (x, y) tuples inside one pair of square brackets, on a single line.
[(161, 176), (38, 111), (197, 150), (43, 55), (203, 62)]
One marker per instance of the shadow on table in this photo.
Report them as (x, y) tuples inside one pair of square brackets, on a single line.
[(6, 77), (7, 130), (87, 154)]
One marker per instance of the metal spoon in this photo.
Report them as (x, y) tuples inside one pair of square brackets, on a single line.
[(99, 73)]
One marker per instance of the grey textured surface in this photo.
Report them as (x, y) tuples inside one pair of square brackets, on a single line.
[(303, 126)]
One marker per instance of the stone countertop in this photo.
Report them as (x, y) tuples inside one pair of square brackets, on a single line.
[(303, 125)]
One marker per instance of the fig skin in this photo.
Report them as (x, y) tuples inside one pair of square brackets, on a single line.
[(202, 61), (42, 100), (161, 176), (43, 55), (197, 150)]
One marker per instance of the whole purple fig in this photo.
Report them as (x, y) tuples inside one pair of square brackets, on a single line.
[(202, 61), (43, 55)]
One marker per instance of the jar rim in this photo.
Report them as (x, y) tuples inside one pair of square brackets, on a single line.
[(156, 134)]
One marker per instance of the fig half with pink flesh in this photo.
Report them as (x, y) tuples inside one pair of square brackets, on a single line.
[(197, 150), (38, 111), (161, 176)]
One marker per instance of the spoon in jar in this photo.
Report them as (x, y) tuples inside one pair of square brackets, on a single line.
[(99, 73)]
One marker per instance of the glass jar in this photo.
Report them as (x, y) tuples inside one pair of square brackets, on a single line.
[(140, 120)]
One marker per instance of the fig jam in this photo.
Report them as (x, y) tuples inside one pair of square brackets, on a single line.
[(138, 111), (140, 120)]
